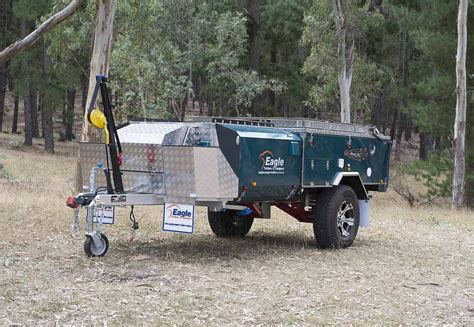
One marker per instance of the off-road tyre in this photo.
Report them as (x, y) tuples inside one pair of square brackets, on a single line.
[(90, 248), (328, 228), (228, 223)]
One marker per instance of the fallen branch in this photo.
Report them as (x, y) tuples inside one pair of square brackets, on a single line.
[(34, 36), (400, 186)]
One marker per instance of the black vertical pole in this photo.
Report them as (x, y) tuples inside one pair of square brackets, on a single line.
[(116, 173)]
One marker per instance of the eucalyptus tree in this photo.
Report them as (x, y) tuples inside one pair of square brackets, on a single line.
[(336, 35), (461, 104)]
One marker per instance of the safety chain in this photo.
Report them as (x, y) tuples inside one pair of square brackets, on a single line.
[(134, 228), (99, 219), (75, 223), (132, 234)]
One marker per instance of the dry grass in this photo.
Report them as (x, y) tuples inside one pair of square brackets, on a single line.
[(411, 266)]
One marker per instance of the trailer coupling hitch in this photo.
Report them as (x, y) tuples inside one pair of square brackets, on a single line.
[(80, 200)]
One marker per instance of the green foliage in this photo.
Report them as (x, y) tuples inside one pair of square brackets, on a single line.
[(320, 37), (169, 55), (153, 72), (436, 174), (70, 46)]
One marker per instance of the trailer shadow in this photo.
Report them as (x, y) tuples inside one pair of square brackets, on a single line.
[(205, 248), (209, 247)]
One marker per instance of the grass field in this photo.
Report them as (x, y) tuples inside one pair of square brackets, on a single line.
[(410, 266)]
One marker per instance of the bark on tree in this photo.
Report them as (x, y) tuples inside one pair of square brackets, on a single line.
[(253, 8), (26, 92), (3, 89), (400, 130), (461, 104), (84, 89), (46, 108), (30, 39), (34, 111), (426, 145), (408, 129), (100, 56), (69, 114), (345, 61), (254, 31), (402, 82), (5, 9), (16, 102)]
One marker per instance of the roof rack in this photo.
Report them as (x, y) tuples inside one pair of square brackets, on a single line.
[(307, 125), (243, 121)]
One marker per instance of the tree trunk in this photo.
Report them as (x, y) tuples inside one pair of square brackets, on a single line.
[(46, 107), (3, 89), (4, 15), (254, 32), (273, 61), (27, 115), (408, 129), (100, 56), (344, 82), (26, 93), (253, 8), (84, 87), (461, 104), (69, 115), (345, 62), (426, 145), (400, 130), (393, 128), (16, 101), (34, 112)]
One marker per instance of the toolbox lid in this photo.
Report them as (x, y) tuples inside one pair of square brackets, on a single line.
[(261, 132), (146, 132)]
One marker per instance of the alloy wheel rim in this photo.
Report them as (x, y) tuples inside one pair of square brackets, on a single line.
[(345, 219)]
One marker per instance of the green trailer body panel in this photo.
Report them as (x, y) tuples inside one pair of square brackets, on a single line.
[(268, 161), (326, 155), (271, 162)]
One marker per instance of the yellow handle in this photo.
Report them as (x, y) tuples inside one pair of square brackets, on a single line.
[(107, 136), (98, 120)]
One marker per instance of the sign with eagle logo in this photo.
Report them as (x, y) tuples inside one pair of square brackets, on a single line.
[(356, 154)]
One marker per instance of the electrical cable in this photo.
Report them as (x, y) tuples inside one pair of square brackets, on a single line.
[(133, 219)]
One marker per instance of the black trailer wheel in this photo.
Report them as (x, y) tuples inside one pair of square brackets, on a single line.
[(336, 217), (92, 250), (228, 223)]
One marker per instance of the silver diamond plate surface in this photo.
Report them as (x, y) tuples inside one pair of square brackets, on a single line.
[(182, 172), (176, 137), (144, 132), (90, 154), (146, 158), (179, 171), (206, 172), (214, 176), (228, 181), (200, 172), (143, 182), (142, 157), (180, 200)]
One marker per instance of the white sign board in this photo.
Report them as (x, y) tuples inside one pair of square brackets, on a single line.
[(107, 214), (178, 218)]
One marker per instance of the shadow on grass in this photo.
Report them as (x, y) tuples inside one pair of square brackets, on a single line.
[(208, 248)]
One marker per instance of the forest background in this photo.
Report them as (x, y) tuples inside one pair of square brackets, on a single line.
[(172, 58)]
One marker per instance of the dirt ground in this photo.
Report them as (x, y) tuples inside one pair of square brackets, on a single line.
[(410, 266)]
